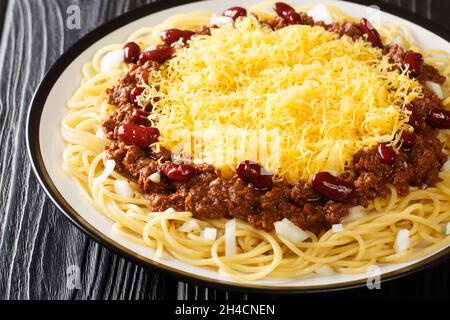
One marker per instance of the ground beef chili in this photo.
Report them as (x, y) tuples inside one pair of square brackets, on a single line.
[(208, 195)]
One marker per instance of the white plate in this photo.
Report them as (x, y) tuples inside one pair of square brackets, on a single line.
[(46, 146)]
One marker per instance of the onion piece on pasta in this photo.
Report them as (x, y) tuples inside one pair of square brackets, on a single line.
[(190, 226), (209, 233), (354, 213), (111, 60), (123, 188), (290, 231), (321, 13), (402, 241), (109, 168)]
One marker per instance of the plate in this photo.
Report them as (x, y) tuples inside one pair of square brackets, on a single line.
[(45, 146)]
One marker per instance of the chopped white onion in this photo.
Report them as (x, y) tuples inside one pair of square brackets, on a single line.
[(155, 177), (321, 13), (209, 233), (220, 20), (109, 168), (100, 133), (396, 41), (290, 231), (230, 237), (337, 228), (446, 166), (325, 271), (123, 188), (402, 241), (354, 213), (170, 210), (436, 87), (190, 226), (111, 60)]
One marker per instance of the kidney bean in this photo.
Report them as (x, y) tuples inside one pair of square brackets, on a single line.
[(414, 119), (439, 118), (131, 52), (170, 36), (332, 187), (159, 54), (414, 62), (235, 12), (407, 139), (287, 13), (132, 134), (141, 117), (385, 153), (178, 172), (254, 173), (372, 34), (134, 93)]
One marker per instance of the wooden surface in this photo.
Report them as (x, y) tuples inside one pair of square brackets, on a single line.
[(37, 244)]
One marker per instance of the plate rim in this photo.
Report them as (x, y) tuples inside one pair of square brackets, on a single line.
[(36, 107)]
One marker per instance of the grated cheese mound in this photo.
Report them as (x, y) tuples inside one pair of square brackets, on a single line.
[(297, 101)]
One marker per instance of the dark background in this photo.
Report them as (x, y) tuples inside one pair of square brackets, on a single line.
[(37, 244)]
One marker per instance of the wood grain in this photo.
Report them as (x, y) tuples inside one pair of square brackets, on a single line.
[(37, 244)]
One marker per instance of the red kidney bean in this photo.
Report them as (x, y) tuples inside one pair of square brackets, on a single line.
[(372, 34), (132, 134), (407, 139), (414, 119), (385, 153), (332, 187), (235, 12), (159, 54), (134, 93), (439, 118), (287, 13), (141, 117), (178, 172), (170, 36), (131, 52), (414, 62), (254, 173)]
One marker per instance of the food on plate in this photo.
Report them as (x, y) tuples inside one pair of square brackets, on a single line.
[(268, 144)]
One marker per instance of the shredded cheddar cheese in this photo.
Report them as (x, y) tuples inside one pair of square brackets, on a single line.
[(297, 101)]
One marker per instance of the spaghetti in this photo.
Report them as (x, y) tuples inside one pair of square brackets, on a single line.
[(368, 239)]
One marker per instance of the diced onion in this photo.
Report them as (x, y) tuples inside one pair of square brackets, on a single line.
[(123, 188), (109, 168), (402, 241), (111, 60), (209, 233), (325, 271), (321, 13), (230, 237), (337, 228), (220, 20), (354, 213), (190, 226), (290, 231), (170, 210), (446, 166), (436, 87), (155, 177), (100, 133)]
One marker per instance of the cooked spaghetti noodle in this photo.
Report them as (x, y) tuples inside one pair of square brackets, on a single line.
[(363, 242)]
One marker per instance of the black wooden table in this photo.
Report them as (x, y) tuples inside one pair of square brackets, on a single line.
[(37, 244)]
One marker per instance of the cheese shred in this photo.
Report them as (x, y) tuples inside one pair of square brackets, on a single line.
[(297, 100)]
